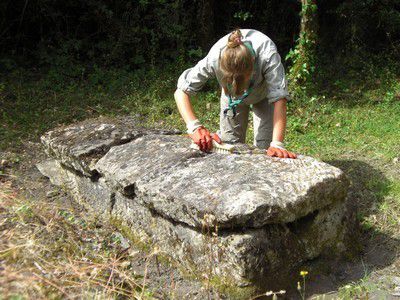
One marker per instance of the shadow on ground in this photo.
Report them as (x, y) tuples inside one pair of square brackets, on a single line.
[(369, 249)]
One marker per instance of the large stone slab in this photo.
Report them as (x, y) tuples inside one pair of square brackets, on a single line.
[(80, 145), (243, 218), (231, 190), (150, 156)]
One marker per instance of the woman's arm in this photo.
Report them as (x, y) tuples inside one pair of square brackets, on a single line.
[(190, 82), (277, 93), (279, 121), (279, 126), (185, 108), (199, 134)]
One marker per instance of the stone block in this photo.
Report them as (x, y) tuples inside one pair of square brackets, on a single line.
[(244, 218)]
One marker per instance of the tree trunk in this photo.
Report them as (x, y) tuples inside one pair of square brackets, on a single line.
[(206, 22), (308, 25), (303, 57)]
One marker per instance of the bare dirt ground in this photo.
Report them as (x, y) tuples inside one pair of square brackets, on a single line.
[(371, 270)]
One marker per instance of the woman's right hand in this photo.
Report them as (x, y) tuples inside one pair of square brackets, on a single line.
[(280, 152), (203, 138)]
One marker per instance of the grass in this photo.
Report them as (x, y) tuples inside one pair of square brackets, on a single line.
[(358, 290), (354, 116), (362, 130), (50, 252), (358, 118)]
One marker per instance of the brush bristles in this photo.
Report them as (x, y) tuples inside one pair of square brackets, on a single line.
[(217, 148), (223, 151)]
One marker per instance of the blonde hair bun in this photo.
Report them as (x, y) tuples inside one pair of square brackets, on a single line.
[(235, 39), (236, 64)]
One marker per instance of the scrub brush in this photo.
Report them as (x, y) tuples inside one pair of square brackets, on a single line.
[(237, 148), (217, 148)]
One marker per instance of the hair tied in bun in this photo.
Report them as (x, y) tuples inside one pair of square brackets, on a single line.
[(236, 63), (235, 39)]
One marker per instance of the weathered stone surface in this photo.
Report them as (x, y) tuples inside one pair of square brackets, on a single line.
[(239, 257), (243, 217), (80, 145), (233, 190), (143, 160), (95, 195)]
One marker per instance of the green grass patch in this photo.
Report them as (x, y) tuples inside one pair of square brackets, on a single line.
[(357, 290), (366, 130), (32, 103)]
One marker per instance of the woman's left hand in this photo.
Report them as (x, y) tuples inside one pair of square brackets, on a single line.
[(281, 153)]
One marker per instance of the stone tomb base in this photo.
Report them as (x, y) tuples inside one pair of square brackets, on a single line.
[(238, 257)]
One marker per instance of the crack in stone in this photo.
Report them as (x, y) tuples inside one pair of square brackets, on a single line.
[(112, 202), (130, 191)]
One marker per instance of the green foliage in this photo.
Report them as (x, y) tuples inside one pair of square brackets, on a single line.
[(130, 33), (357, 290), (369, 23), (301, 72), (139, 34), (243, 15), (303, 56), (125, 32), (348, 109), (196, 53)]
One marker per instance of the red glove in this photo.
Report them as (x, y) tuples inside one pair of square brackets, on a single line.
[(281, 153), (203, 138)]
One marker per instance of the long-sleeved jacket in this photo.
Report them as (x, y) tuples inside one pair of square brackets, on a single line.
[(268, 75)]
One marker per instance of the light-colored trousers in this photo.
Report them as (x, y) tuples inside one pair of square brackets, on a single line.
[(233, 129)]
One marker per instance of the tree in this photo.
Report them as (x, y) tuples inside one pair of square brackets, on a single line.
[(206, 23), (303, 56)]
